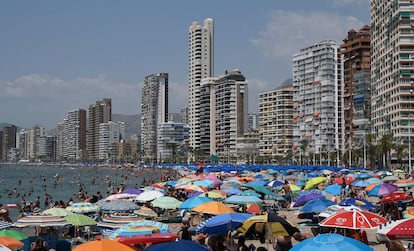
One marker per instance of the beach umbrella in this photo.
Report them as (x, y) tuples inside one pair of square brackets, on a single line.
[(373, 180), (301, 200), (360, 183), (149, 195), (140, 227), (353, 220), (56, 211), (294, 188), (5, 224), (120, 196), (275, 183), (331, 242), (390, 179), (364, 176), (10, 242), (191, 188), (166, 202), (13, 234), (331, 210), (83, 208), (132, 191), (40, 221), (79, 220), (397, 196), (4, 248), (181, 245), (250, 193), (404, 183), (409, 213), (382, 189), (384, 173), (103, 245), (254, 209), (213, 207), (148, 238), (348, 180), (263, 190), (275, 225), (213, 195), (231, 191), (257, 183), (316, 206), (146, 212), (333, 189), (396, 230), (222, 223), (193, 202), (359, 202), (116, 221), (118, 206), (242, 199), (314, 182)]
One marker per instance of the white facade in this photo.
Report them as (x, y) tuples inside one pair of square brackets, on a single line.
[(392, 69), (73, 139), (154, 111), (109, 133), (201, 65), (317, 99), (275, 125)]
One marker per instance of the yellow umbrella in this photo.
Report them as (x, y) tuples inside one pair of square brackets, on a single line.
[(294, 188), (314, 182), (274, 224), (212, 195), (213, 207)]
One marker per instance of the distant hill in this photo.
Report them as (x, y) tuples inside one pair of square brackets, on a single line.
[(132, 123)]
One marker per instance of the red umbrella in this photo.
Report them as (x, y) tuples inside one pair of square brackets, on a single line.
[(348, 180), (254, 209), (396, 196), (397, 230), (353, 220)]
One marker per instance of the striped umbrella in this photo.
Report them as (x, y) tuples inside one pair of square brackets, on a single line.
[(40, 221), (146, 212), (404, 183), (116, 221), (5, 224), (166, 202), (83, 207), (140, 227)]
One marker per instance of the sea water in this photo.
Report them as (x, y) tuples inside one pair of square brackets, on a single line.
[(62, 183)]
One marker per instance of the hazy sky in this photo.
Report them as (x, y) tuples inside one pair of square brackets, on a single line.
[(57, 56)]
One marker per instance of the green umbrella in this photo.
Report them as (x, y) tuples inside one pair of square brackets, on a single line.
[(264, 190), (56, 211), (79, 220), (166, 202), (13, 234)]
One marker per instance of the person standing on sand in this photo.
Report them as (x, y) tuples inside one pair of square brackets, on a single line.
[(288, 194)]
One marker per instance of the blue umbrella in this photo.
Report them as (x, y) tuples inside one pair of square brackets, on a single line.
[(373, 180), (193, 202), (243, 199), (222, 223), (334, 189), (180, 245), (301, 200), (257, 183), (232, 191), (316, 206), (362, 203), (360, 183), (364, 176), (275, 183), (331, 242)]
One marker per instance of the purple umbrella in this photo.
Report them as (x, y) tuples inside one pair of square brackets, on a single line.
[(132, 191), (194, 194), (382, 189), (301, 200)]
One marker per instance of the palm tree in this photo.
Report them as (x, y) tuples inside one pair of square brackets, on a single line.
[(386, 146), (304, 148)]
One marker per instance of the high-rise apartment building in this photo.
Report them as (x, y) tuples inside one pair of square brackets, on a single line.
[(171, 138), (201, 65), (32, 141), (230, 113), (8, 141), (275, 124), (392, 69), (110, 133), (154, 111), (74, 135), (317, 100), (184, 115), (356, 52), (100, 112)]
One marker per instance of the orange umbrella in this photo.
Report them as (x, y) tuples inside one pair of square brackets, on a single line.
[(103, 245), (10, 242), (371, 186), (213, 207)]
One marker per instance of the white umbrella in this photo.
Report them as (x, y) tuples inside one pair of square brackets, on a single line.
[(4, 248), (149, 195)]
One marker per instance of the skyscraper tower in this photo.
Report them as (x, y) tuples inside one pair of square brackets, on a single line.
[(154, 111), (357, 102), (317, 101), (392, 69), (201, 65), (100, 112)]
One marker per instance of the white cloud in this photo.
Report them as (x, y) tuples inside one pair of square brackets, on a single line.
[(287, 32)]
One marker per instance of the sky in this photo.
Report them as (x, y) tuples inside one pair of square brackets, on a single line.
[(58, 56)]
